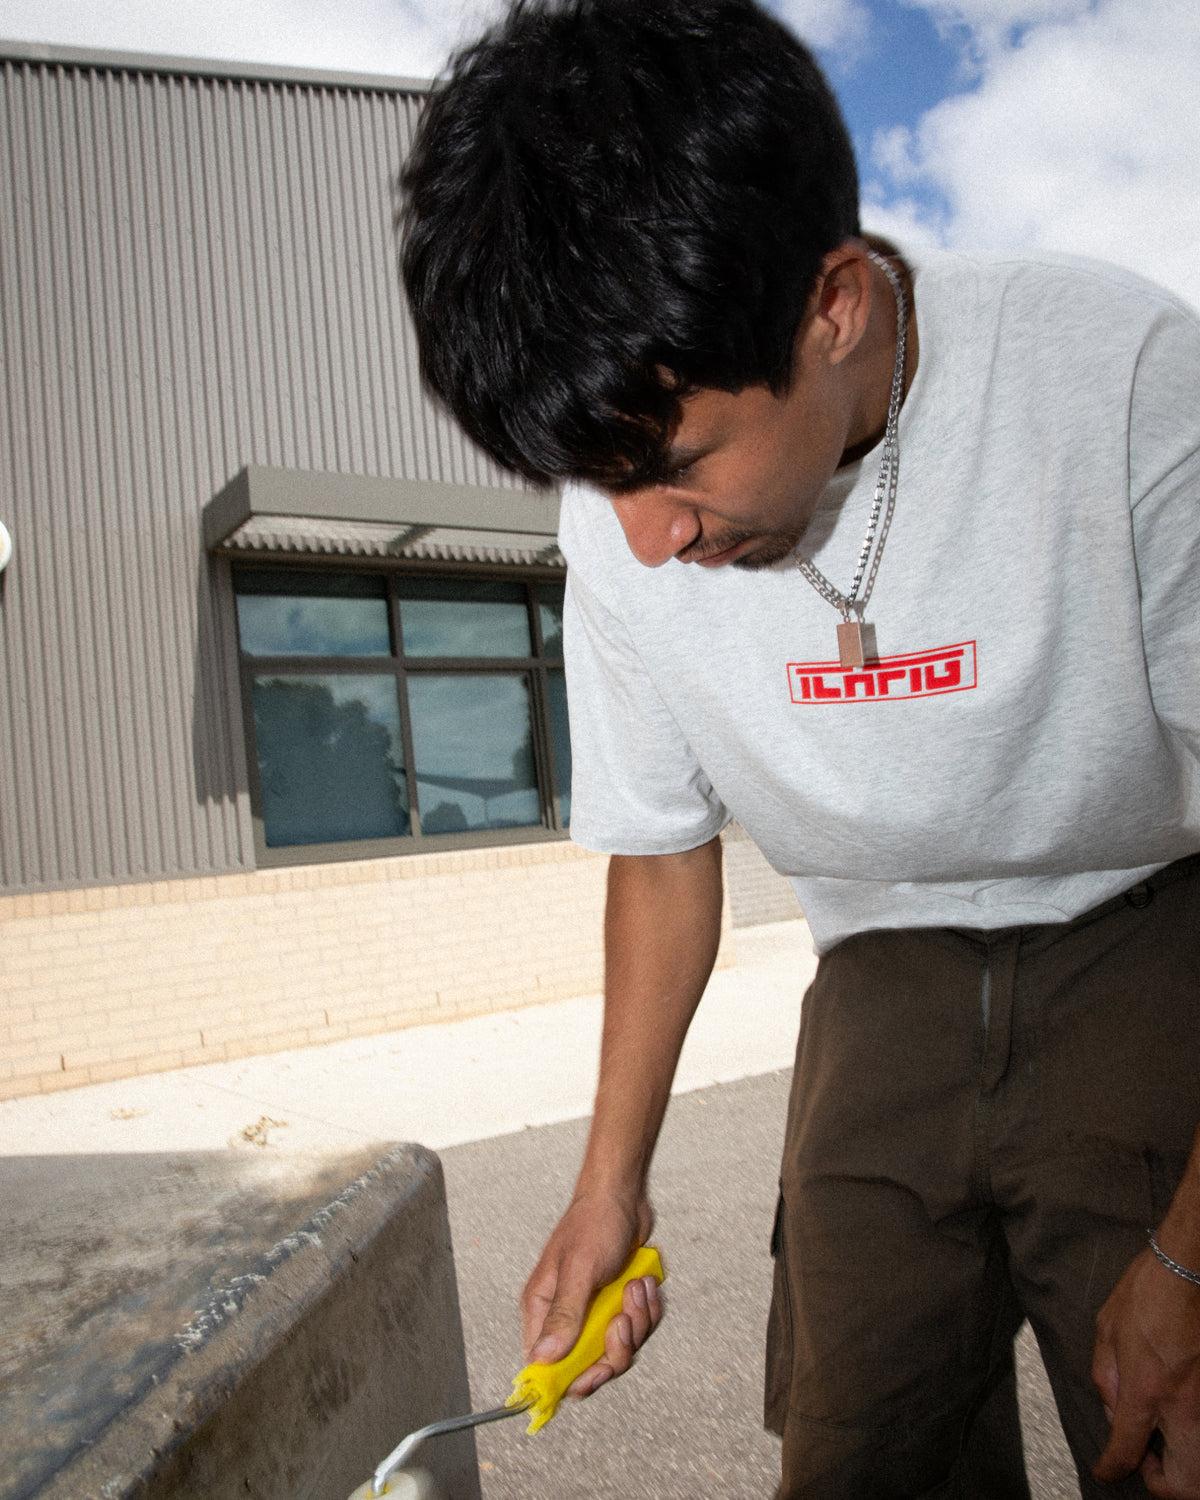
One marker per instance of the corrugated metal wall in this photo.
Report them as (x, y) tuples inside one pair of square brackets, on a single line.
[(196, 273)]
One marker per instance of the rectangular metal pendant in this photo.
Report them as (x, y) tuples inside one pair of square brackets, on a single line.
[(850, 644)]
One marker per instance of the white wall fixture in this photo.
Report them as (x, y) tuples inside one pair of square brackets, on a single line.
[(5, 546)]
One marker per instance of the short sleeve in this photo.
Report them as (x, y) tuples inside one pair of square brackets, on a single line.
[(636, 785), (1165, 485)]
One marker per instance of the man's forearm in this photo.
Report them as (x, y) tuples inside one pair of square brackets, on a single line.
[(662, 929)]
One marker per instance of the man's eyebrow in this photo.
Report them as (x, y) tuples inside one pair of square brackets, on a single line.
[(677, 459)]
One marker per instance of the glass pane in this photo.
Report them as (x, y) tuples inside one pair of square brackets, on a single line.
[(473, 742), (561, 733), (550, 607), (330, 758), (458, 617), (311, 614)]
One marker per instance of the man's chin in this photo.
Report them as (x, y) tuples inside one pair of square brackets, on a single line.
[(772, 550)]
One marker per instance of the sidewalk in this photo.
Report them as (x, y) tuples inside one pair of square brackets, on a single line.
[(440, 1085)]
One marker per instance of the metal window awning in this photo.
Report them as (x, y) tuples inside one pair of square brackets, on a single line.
[(305, 513)]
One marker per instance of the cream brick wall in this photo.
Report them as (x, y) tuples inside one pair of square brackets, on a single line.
[(108, 982)]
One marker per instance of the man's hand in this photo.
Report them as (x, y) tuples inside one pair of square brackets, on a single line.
[(1147, 1370), (590, 1245)]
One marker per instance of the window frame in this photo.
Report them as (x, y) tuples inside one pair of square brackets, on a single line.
[(535, 668)]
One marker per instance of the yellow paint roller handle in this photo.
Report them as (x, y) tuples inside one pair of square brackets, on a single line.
[(542, 1387)]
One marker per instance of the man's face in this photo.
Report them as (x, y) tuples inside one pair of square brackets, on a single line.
[(746, 474)]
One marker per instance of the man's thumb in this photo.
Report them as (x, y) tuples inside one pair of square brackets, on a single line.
[(559, 1332)]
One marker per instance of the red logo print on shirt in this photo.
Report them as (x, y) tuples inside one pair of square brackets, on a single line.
[(921, 674)]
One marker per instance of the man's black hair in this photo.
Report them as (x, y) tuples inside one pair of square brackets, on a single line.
[(611, 203)]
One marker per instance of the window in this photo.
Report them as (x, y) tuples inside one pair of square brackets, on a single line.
[(403, 707)]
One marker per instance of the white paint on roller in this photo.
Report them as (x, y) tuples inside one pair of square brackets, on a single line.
[(405, 1484)]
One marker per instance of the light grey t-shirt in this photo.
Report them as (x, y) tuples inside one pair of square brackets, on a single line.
[(1028, 743)]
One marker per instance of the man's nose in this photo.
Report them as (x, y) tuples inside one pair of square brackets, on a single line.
[(656, 526)]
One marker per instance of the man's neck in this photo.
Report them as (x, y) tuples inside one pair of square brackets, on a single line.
[(879, 353)]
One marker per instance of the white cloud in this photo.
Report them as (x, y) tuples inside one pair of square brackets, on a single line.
[(1082, 135), (831, 25), (904, 221), (1007, 13), (405, 38), (988, 25)]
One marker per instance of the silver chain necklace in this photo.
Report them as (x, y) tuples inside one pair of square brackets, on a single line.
[(851, 651)]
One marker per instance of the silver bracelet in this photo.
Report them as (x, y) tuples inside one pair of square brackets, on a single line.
[(1171, 1265)]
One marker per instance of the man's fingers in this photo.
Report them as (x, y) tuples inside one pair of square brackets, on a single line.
[(637, 1308), (1127, 1444), (644, 1304), (1123, 1453), (620, 1347), (1153, 1477), (591, 1380), (1171, 1470), (642, 1309), (1104, 1374)]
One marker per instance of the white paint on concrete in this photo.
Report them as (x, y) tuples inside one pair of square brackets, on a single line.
[(440, 1084)]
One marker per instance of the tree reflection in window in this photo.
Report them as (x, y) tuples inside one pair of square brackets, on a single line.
[(330, 766)]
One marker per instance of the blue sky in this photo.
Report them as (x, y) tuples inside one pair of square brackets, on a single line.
[(1067, 125), (898, 70), (902, 67)]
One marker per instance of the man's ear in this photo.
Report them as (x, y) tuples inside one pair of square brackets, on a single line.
[(841, 302)]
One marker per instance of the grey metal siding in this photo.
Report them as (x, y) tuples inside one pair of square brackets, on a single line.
[(196, 273)]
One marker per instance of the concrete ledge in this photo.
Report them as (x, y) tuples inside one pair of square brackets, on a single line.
[(225, 1325)]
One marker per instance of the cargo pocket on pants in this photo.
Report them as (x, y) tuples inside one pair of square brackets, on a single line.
[(778, 1385)]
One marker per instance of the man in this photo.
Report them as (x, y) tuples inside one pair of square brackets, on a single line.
[(900, 565)]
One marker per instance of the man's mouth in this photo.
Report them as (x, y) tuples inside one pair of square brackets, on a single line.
[(725, 550), (750, 550), (720, 559)]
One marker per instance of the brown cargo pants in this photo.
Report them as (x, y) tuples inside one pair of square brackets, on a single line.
[(982, 1127)]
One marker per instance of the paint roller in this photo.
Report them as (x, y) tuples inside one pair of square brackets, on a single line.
[(538, 1389)]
